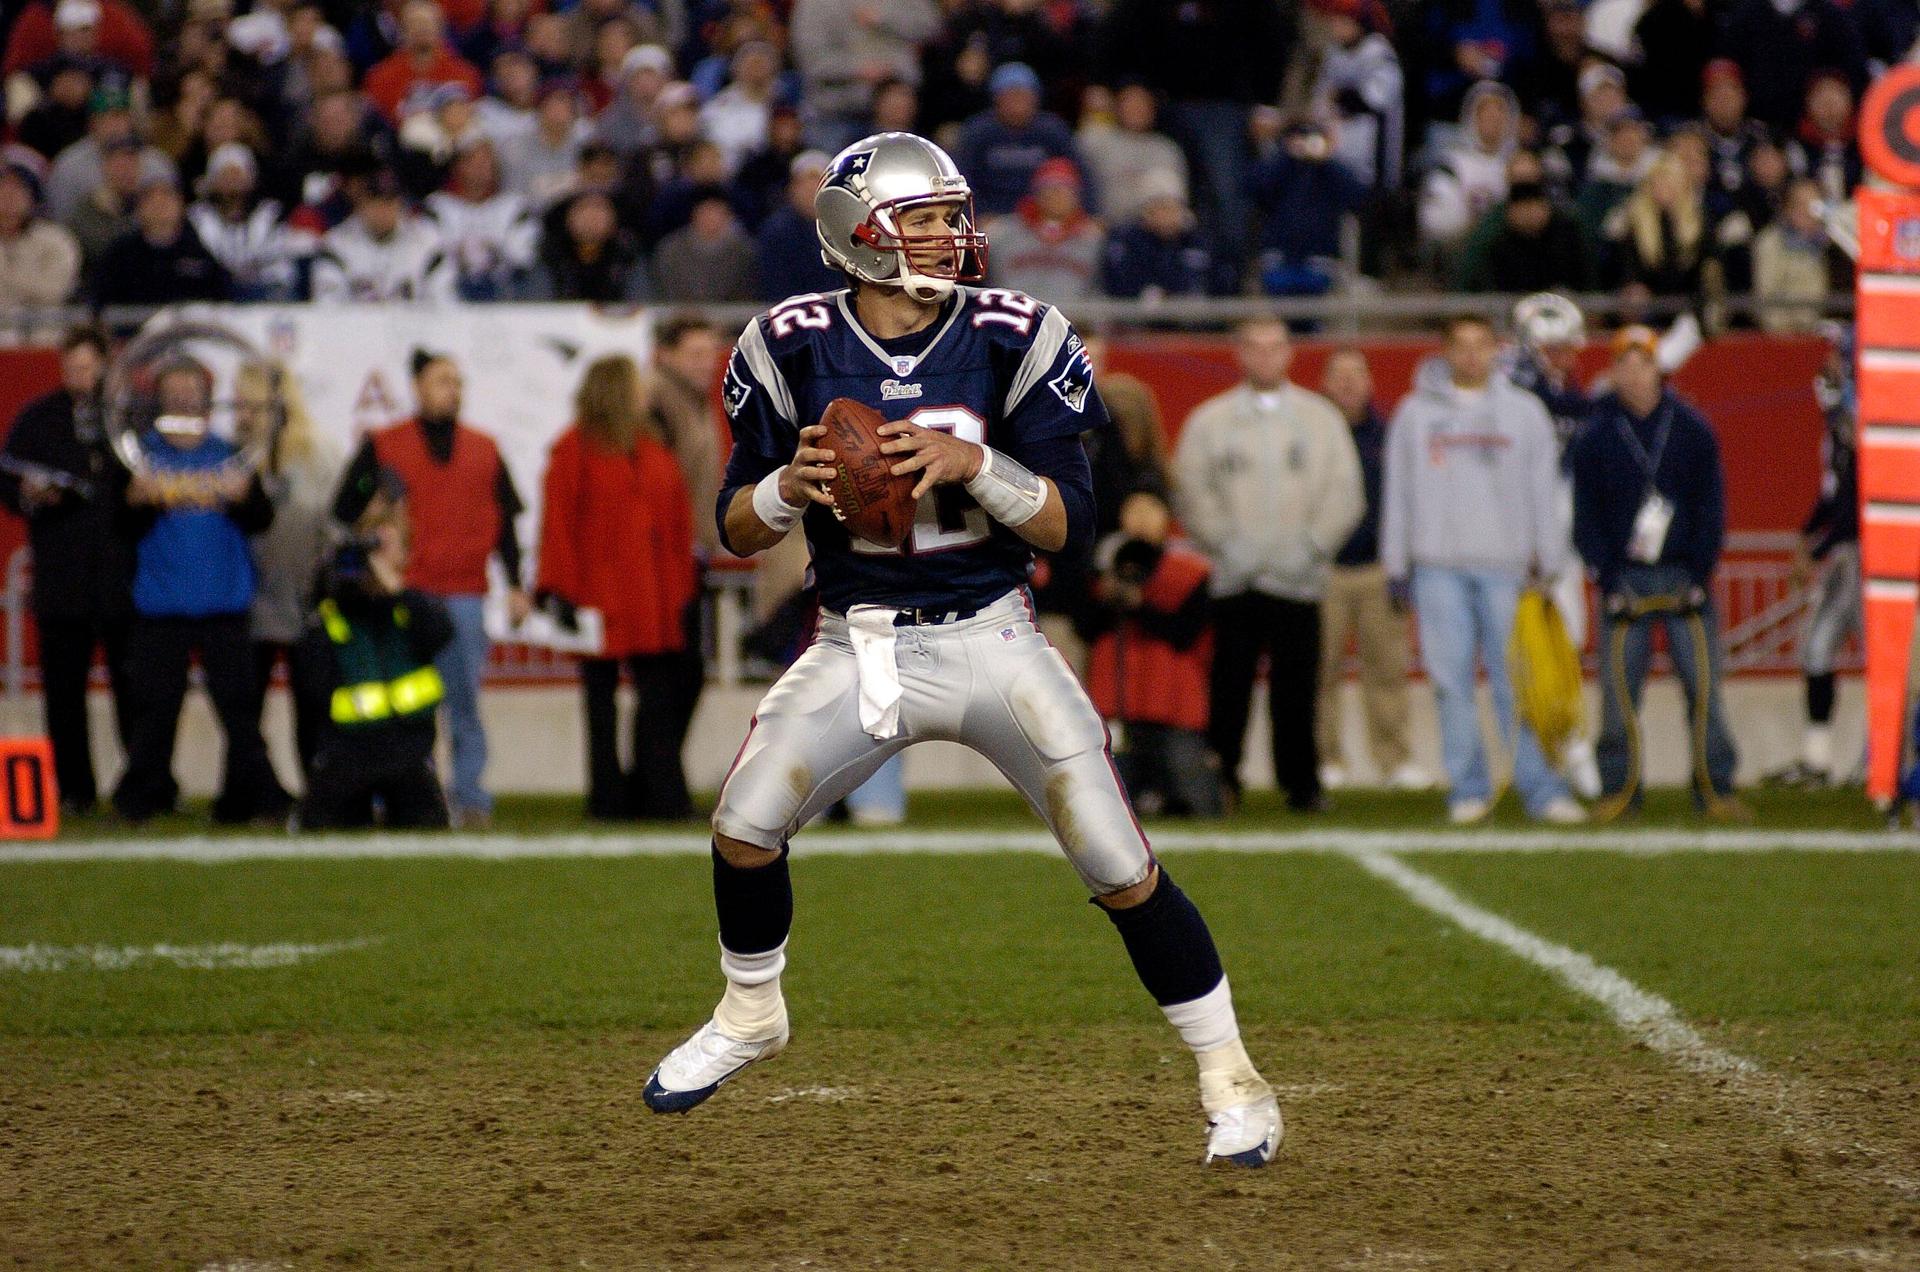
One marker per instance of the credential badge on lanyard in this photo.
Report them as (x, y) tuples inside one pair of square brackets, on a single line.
[(1655, 515)]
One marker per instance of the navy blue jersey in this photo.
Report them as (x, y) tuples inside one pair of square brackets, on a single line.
[(996, 367), (1567, 403)]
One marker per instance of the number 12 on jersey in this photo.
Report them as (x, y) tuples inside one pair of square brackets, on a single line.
[(947, 517)]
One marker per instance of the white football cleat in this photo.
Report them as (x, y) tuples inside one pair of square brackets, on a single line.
[(1246, 1134), (1466, 812), (695, 1069)]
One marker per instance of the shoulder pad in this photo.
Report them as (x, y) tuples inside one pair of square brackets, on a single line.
[(798, 320)]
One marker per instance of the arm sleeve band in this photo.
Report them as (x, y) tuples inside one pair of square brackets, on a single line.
[(1006, 490)]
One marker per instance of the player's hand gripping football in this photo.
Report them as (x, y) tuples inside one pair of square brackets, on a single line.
[(939, 458), (806, 478)]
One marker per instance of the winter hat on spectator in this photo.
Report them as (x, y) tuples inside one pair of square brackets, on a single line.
[(1638, 336), (1010, 76), (646, 57), (232, 155), (71, 15), (676, 95), (1599, 73), (1721, 68), (261, 35), (1056, 171), (327, 39)]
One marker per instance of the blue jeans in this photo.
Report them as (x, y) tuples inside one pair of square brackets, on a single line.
[(1466, 620), (1626, 650), (885, 793), (461, 664)]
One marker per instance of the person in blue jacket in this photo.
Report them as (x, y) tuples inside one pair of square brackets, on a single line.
[(190, 511)]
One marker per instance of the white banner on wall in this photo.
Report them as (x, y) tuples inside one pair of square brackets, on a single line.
[(521, 363)]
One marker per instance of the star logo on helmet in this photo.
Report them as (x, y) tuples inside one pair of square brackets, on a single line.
[(849, 167)]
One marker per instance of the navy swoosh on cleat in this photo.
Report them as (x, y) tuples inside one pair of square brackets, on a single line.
[(1259, 1156), (661, 1100)]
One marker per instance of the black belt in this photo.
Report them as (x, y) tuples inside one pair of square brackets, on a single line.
[(930, 618)]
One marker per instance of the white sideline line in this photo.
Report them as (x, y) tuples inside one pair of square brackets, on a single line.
[(113, 958), (498, 847), (1642, 1014)]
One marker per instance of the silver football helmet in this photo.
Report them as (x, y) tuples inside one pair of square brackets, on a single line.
[(1546, 319), (857, 210)]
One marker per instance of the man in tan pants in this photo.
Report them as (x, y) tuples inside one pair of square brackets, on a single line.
[(1358, 608)]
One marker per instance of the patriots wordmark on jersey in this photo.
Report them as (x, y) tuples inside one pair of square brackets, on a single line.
[(997, 368)]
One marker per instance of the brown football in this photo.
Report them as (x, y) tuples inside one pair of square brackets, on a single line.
[(874, 504)]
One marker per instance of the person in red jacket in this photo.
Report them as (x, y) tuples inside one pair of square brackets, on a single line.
[(1151, 652), (398, 83), (616, 536)]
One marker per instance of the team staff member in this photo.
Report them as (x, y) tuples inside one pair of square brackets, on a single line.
[(616, 537), (60, 475), (1650, 520), (366, 669), (1267, 481), (462, 503)]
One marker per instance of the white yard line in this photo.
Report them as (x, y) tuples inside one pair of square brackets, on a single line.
[(504, 846), (113, 958), (1642, 1014)]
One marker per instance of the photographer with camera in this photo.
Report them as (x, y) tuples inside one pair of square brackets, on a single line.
[(365, 667), (1150, 655)]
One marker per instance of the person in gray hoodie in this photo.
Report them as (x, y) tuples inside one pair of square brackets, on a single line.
[(1267, 482), (1472, 509)]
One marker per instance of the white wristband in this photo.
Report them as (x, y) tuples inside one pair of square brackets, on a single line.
[(1006, 490), (779, 515)]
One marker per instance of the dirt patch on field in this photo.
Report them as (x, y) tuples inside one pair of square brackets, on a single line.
[(1414, 1146)]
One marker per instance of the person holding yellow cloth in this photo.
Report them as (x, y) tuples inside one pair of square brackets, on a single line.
[(367, 658)]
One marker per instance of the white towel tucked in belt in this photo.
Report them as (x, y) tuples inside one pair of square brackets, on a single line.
[(872, 631)]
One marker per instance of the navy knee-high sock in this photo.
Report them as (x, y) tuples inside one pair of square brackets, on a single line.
[(755, 905), (1168, 941)]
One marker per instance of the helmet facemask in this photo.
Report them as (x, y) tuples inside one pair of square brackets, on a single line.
[(928, 264)]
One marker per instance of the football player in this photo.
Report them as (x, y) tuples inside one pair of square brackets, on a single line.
[(987, 392)]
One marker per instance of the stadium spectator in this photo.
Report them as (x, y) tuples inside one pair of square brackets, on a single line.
[(1470, 512), (39, 260), (1304, 194), (507, 112), (1649, 519), (1121, 153), (709, 260), (1574, 144), (1267, 482), (1360, 90), (842, 48), (423, 61), (1612, 175), (1662, 241), (1548, 83), (787, 247), (228, 123), (1889, 30), (1536, 247), (539, 165), (191, 510), (698, 170), (245, 232), (462, 505), (1471, 174), (1049, 247), (365, 670), (433, 136), (630, 122), (762, 183), (1210, 63), (341, 134), (1164, 253), (1471, 44), (489, 234), (300, 470), (161, 259), (585, 255), (1675, 42), (1042, 36), (1825, 145), (616, 536), (1148, 666), (687, 352), (59, 117), (1780, 44), (502, 32), (1795, 265), (896, 107), (955, 89), (735, 118), (1001, 148), (381, 252), (78, 170), (122, 36), (59, 473), (1358, 610), (1730, 135), (107, 212)]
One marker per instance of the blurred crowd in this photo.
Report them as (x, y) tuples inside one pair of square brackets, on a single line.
[(627, 150)]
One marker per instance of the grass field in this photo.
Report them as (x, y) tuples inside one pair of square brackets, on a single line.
[(1495, 1049)]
